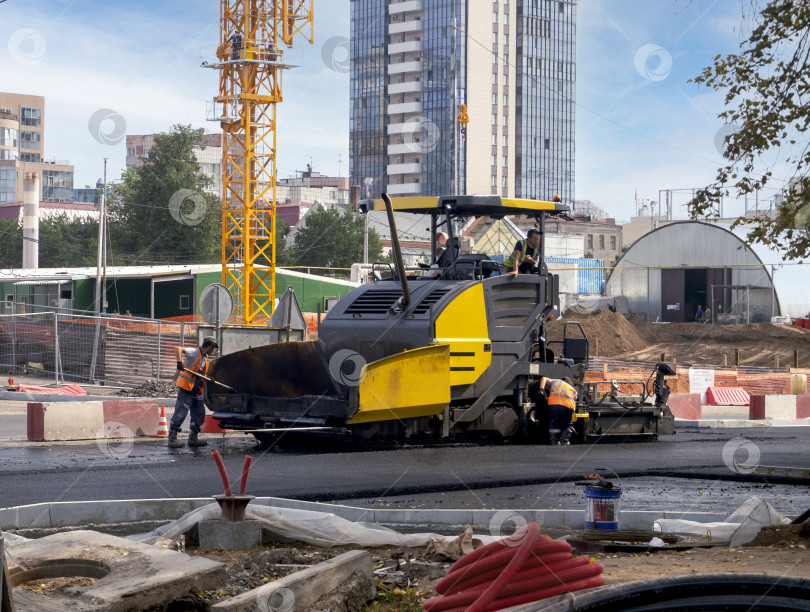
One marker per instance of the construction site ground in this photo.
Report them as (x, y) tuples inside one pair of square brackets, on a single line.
[(613, 335), (781, 551)]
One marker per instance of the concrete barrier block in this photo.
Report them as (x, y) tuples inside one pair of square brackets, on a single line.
[(299, 591), (780, 407), (803, 406), (775, 407), (50, 421), (685, 406), (139, 416)]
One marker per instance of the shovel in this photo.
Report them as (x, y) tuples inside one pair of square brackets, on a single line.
[(211, 380)]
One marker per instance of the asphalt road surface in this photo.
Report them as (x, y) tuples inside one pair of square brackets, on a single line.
[(41, 472)]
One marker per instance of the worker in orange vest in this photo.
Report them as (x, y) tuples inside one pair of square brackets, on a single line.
[(189, 391), (562, 403)]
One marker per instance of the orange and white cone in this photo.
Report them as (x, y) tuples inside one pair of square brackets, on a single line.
[(163, 426)]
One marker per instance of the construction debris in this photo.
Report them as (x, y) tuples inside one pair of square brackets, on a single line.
[(151, 388)]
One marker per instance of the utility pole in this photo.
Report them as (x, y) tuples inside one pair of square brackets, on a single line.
[(455, 105), (368, 181), (100, 260), (104, 237), (100, 255)]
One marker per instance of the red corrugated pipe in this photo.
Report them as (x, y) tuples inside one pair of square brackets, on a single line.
[(522, 568), (222, 473)]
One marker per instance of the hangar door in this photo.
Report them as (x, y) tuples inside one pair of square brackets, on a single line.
[(673, 283), (684, 289)]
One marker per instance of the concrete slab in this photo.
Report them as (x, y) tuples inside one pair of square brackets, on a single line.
[(230, 535), (298, 592), (130, 576)]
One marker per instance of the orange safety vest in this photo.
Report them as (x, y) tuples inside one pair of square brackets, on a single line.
[(184, 379), (562, 394)]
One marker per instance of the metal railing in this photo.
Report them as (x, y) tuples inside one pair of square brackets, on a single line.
[(79, 347)]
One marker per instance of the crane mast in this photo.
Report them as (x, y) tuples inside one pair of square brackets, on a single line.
[(254, 35)]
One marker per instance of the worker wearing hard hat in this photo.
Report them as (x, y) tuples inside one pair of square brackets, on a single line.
[(190, 362), (562, 403), (525, 256)]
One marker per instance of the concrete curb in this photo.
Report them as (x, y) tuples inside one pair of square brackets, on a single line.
[(731, 423), (71, 514), (25, 396), (300, 591)]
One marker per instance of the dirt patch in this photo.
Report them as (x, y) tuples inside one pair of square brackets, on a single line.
[(783, 536), (55, 586), (628, 567), (611, 331), (759, 344)]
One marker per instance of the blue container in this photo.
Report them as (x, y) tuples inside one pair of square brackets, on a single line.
[(602, 509)]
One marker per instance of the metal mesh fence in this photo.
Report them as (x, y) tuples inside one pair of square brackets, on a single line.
[(77, 347)]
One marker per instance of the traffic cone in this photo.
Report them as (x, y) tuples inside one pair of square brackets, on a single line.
[(163, 426)]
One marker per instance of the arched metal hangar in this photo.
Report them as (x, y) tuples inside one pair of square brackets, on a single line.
[(671, 270)]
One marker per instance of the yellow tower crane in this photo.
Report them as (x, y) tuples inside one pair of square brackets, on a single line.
[(250, 58)]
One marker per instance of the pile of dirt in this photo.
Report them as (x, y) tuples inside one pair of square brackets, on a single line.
[(151, 388), (783, 536), (611, 331)]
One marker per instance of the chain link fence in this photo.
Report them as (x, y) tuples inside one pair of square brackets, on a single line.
[(70, 346)]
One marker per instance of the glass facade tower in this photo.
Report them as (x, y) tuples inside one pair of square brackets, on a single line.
[(413, 62)]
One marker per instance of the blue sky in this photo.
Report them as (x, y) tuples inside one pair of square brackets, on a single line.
[(640, 124)]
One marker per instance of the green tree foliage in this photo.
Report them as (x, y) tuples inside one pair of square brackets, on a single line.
[(333, 239), (67, 243), (766, 88), (10, 244), (282, 230), (160, 212), (62, 243)]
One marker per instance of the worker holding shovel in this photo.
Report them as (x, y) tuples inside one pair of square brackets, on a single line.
[(192, 363)]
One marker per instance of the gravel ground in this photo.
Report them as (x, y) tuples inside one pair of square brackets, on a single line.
[(151, 388)]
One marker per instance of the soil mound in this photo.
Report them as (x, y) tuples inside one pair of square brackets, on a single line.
[(614, 334)]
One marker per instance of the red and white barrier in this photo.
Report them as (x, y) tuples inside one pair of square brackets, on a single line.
[(50, 421), (782, 407)]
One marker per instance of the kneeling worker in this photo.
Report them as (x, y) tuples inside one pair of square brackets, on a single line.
[(525, 256), (189, 391), (562, 403)]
